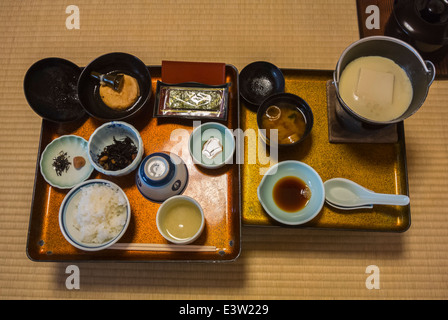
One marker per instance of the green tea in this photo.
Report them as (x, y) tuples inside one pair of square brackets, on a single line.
[(182, 220)]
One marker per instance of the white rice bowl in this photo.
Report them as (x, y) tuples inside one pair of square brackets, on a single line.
[(94, 215)]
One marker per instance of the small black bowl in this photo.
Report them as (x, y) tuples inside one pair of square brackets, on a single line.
[(287, 99), (259, 80), (116, 62), (50, 90)]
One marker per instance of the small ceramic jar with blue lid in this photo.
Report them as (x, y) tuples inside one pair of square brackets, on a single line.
[(161, 175)]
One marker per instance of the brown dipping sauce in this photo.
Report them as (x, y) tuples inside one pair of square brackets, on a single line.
[(291, 194)]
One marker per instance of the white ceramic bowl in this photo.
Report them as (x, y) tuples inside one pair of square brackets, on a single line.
[(201, 135), (67, 214), (164, 210), (161, 175), (103, 136), (296, 169), (74, 146)]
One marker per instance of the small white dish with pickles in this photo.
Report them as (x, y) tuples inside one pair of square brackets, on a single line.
[(64, 162)]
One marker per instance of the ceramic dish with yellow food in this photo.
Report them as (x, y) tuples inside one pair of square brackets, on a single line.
[(180, 220)]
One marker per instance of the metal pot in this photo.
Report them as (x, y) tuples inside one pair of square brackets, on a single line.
[(420, 72)]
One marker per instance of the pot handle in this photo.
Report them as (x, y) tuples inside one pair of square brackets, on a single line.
[(431, 71)]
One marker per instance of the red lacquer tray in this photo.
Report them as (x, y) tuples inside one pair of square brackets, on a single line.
[(217, 191)]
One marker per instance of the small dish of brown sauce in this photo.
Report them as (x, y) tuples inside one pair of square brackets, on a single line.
[(291, 194)]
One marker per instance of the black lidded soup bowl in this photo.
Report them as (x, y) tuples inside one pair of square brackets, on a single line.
[(286, 100)]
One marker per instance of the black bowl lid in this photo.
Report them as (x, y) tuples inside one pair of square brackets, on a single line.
[(50, 87), (424, 21), (259, 80)]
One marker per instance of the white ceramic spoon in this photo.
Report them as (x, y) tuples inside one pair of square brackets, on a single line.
[(367, 206), (346, 194)]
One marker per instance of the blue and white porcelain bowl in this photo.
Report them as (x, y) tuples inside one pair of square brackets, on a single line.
[(73, 146), (161, 175), (104, 135), (295, 169), (69, 221)]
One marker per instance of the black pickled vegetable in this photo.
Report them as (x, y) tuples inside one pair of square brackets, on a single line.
[(61, 163), (118, 155)]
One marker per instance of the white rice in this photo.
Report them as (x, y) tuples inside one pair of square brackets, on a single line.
[(101, 213)]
